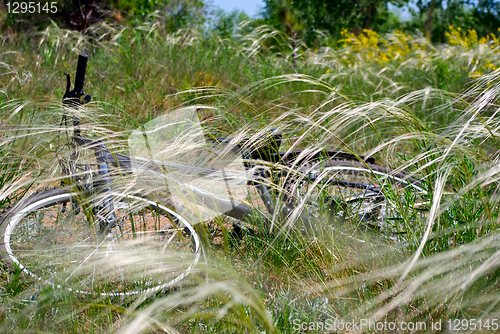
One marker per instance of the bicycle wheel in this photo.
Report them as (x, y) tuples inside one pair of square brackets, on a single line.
[(361, 195), (53, 239)]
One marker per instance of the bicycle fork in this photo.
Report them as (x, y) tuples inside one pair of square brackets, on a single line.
[(103, 208)]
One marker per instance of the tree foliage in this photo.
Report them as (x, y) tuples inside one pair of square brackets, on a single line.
[(80, 14), (307, 18)]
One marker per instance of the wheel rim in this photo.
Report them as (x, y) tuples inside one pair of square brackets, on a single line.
[(63, 256), (378, 198)]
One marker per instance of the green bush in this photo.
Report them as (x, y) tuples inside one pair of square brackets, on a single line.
[(80, 14)]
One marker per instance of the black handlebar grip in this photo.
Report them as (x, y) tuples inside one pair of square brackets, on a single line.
[(81, 69)]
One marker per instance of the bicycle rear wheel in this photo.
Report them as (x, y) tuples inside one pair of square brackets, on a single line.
[(54, 239), (361, 195)]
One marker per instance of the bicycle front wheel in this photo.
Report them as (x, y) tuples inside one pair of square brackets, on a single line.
[(53, 238), (361, 195)]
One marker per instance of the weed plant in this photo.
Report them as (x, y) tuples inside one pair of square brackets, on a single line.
[(429, 111)]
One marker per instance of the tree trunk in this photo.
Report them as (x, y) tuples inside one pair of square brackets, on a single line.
[(293, 45), (370, 12), (428, 20)]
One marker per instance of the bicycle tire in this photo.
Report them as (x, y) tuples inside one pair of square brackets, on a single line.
[(48, 236), (361, 194)]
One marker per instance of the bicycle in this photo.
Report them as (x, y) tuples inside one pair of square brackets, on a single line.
[(72, 232)]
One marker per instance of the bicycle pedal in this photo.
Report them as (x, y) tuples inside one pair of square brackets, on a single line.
[(239, 231), (367, 217)]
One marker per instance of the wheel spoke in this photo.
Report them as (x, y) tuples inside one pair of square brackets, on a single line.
[(350, 193), (55, 244)]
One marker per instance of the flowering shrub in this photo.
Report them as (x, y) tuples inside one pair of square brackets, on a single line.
[(486, 59), (370, 46), (469, 40), (465, 51)]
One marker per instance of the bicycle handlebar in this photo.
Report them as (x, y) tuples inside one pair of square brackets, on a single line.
[(81, 69), (77, 96)]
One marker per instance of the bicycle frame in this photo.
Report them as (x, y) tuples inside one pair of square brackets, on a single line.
[(205, 198), (228, 207), (106, 159)]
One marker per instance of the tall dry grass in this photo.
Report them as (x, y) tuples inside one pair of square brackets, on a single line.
[(422, 112)]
